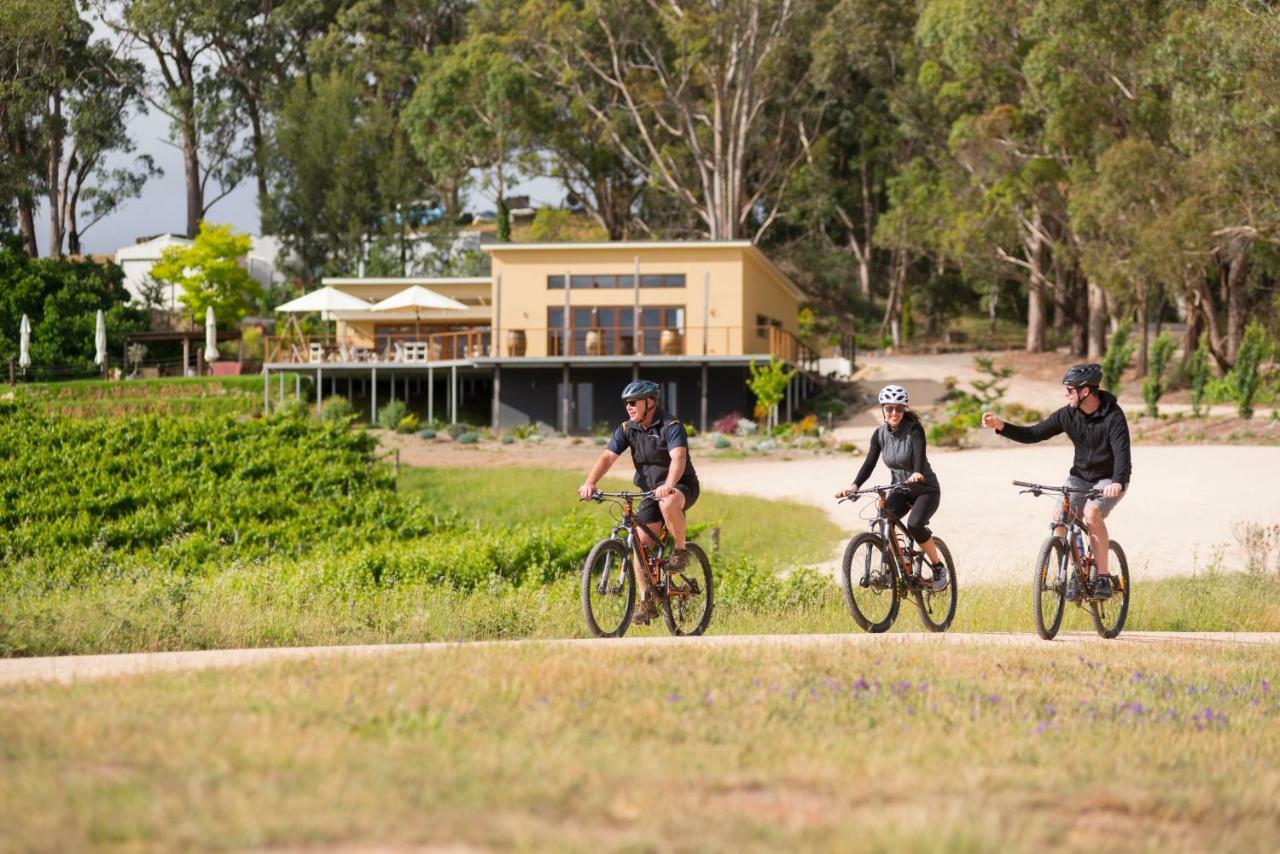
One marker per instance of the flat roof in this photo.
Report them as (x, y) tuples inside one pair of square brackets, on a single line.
[(406, 281)]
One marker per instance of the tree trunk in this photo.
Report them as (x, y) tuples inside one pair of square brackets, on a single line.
[(893, 305), (1035, 288), (1142, 333), (1237, 292), (993, 302), (53, 173), (1198, 295), (27, 224), (1097, 325), (191, 165)]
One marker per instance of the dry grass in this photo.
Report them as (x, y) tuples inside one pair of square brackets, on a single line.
[(921, 746)]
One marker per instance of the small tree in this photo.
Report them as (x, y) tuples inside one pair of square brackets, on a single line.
[(1153, 386), (210, 274), (990, 390), (1119, 351), (1199, 372), (769, 384), (1244, 376)]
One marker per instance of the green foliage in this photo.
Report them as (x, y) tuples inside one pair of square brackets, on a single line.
[(408, 424), (1119, 351), (391, 414), (61, 299), (470, 437), (238, 396), (1245, 374), (721, 442), (993, 388), (1198, 370), (769, 382), (337, 410), (427, 432), (1153, 386), (210, 274)]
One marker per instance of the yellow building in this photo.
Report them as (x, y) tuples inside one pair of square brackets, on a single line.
[(531, 349)]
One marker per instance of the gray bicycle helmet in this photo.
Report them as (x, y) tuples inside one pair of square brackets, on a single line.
[(894, 394), (639, 389), (1078, 376)]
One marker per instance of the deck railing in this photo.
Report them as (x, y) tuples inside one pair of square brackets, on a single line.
[(407, 348)]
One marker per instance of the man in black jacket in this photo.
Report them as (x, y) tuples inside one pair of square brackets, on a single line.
[(1096, 425)]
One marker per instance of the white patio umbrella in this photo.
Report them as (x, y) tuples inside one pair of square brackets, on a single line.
[(324, 299), (24, 343), (210, 335), (418, 298), (100, 339)]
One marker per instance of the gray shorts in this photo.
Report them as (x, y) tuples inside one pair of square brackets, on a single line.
[(1106, 505)]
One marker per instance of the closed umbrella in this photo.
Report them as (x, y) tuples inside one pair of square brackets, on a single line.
[(210, 336), (100, 339), (24, 343)]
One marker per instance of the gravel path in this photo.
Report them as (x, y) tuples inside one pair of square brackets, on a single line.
[(78, 668), (1178, 519)]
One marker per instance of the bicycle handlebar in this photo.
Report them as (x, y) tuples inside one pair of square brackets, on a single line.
[(598, 496), (1037, 489), (854, 496)]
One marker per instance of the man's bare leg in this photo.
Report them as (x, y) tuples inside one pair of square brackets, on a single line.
[(672, 508), (1099, 539)]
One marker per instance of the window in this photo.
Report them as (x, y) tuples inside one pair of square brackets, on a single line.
[(611, 331), (609, 282), (763, 322)]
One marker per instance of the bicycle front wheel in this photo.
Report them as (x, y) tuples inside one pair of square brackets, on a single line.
[(870, 580), (1049, 587), (687, 606), (608, 589), (1109, 614), (938, 607)]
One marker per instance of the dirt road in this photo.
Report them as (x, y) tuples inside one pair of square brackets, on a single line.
[(1179, 518), (77, 668)]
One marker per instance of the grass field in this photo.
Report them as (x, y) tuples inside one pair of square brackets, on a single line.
[(170, 396), (878, 746)]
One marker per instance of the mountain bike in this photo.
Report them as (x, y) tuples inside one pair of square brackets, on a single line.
[(609, 582), (1067, 572), (884, 565)]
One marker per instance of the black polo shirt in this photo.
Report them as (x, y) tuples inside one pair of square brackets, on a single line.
[(651, 449)]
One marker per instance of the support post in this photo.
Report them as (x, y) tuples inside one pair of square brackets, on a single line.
[(564, 400), (373, 395), (186, 354), (637, 346), (495, 345), (565, 346), (497, 398), (319, 388), (280, 377), (431, 394), (453, 394), (791, 381), (702, 409), (297, 386), (266, 392)]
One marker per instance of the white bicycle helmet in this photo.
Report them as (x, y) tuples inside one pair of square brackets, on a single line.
[(894, 394)]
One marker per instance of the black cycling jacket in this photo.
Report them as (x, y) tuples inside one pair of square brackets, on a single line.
[(1101, 439)]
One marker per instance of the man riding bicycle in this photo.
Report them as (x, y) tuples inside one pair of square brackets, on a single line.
[(1097, 426), (660, 451)]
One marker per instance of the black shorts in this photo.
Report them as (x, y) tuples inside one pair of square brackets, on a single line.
[(649, 512)]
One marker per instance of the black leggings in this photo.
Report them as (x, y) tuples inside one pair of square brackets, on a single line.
[(923, 506)]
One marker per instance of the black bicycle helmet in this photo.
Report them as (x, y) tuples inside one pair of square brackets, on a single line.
[(1078, 376), (639, 389)]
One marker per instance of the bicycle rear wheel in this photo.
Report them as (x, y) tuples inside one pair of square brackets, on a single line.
[(1049, 587), (870, 581), (938, 607), (687, 605), (1109, 614), (608, 589)]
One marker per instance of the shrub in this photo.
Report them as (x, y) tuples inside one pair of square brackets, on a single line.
[(1153, 386), (745, 427), (601, 440), (847, 448), (1119, 351), (1244, 376), (721, 442), (808, 426), (690, 430), (427, 432), (455, 431), (408, 424), (468, 438), (524, 431), (390, 415), (727, 423), (949, 433), (337, 410)]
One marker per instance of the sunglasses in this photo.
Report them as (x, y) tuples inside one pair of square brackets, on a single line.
[(631, 403), (894, 409)]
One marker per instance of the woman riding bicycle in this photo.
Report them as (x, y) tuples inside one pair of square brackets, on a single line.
[(901, 440)]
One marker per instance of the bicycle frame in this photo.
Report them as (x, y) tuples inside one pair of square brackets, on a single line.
[(1078, 551), (627, 525), (886, 522)]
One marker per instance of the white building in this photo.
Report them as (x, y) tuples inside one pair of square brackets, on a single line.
[(138, 259)]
